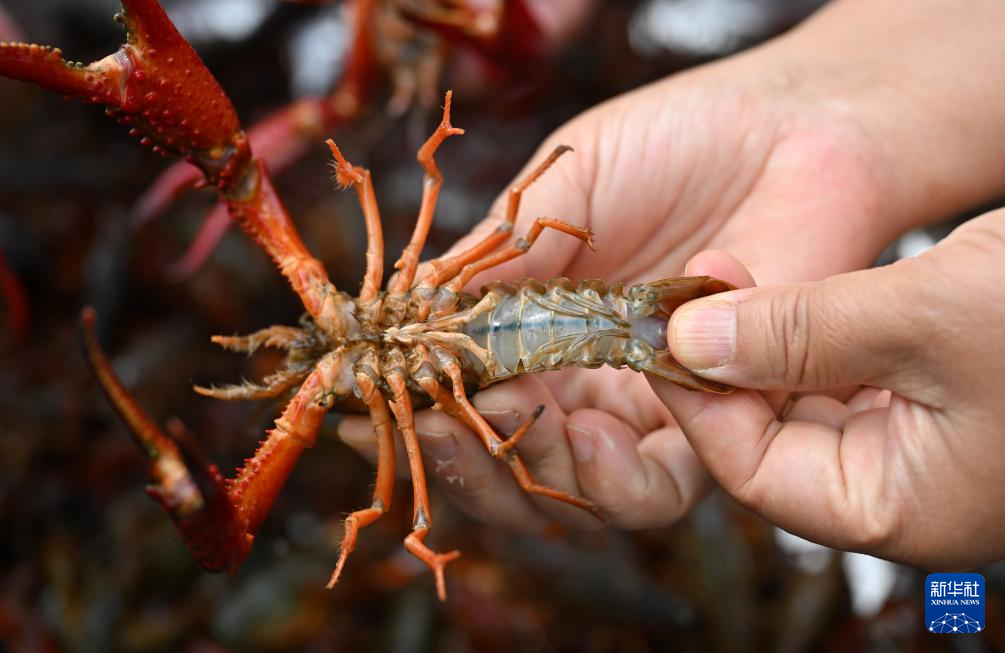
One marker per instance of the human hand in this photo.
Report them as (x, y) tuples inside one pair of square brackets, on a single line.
[(794, 173), (762, 165), (914, 475)]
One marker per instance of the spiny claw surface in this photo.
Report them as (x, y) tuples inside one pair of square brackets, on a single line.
[(154, 82), (183, 482), (214, 533)]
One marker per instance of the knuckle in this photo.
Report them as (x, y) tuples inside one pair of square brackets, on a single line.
[(748, 494), (876, 530), (639, 511), (804, 325), (623, 503), (745, 482), (794, 323)]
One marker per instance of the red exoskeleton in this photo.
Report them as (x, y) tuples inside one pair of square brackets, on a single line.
[(419, 341), (405, 44)]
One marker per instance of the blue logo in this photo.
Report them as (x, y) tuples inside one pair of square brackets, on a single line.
[(954, 603)]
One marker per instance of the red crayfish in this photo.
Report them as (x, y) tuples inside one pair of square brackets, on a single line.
[(420, 341)]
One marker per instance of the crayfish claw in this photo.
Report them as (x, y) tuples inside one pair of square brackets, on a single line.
[(44, 66), (183, 482), (212, 531)]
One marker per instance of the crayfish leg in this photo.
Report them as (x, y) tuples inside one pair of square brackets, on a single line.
[(404, 415), (441, 269), (459, 406), (347, 174), (384, 489), (431, 184), (275, 385), (218, 519), (519, 248)]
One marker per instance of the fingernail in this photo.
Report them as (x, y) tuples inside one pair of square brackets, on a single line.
[(582, 442), (705, 336), (504, 421), (438, 445)]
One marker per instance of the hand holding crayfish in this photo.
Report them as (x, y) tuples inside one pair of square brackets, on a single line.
[(801, 173), (734, 156), (900, 455)]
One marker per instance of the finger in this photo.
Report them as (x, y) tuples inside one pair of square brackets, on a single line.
[(777, 399), (864, 400), (544, 449), (808, 478), (456, 459), (818, 408), (881, 400), (636, 483), (357, 432), (719, 264), (725, 266), (622, 393), (843, 393), (857, 328), (478, 484)]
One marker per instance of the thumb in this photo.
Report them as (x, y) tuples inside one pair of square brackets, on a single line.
[(857, 328)]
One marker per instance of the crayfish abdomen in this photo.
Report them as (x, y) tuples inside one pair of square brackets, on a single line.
[(534, 327)]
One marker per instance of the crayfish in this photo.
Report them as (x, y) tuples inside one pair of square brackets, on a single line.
[(419, 341)]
